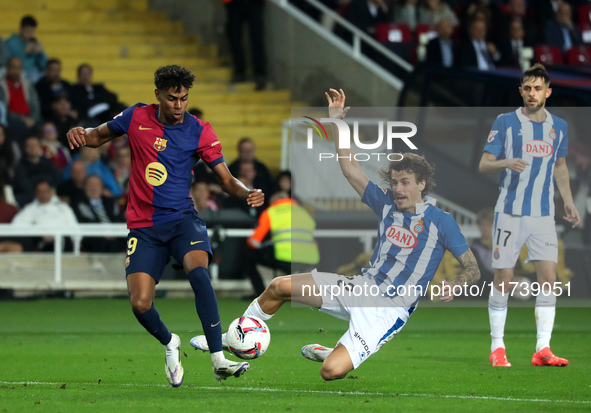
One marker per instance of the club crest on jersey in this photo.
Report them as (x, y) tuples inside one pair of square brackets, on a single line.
[(496, 254), (491, 135), (552, 134), (127, 260), (419, 227), (160, 144), (401, 237), (537, 149)]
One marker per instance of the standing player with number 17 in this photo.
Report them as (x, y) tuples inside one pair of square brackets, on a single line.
[(166, 142), (528, 149)]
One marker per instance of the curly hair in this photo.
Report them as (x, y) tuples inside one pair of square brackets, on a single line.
[(173, 76), (413, 164)]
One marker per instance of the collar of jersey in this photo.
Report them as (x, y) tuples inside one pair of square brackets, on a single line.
[(167, 125), (524, 119)]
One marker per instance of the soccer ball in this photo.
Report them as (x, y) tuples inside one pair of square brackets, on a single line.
[(248, 337)]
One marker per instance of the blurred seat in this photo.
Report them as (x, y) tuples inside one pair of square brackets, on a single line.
[(577, 56), (393, 33), (548, 55), (585, 29), (425, 32), (584, 13)]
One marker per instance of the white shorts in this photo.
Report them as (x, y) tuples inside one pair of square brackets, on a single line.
[(370, 327), (510, 232)]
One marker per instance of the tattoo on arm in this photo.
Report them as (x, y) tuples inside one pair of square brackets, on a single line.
[(471, 273)]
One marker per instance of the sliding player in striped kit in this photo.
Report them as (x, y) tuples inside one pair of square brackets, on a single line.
[(528, 149), (413, 235)]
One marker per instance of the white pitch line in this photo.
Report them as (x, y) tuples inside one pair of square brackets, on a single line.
[(338, 393)]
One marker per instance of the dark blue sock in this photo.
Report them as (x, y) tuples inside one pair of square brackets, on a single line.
[(207, 307), (152, 322)]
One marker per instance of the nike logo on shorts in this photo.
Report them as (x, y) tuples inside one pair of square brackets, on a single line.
[(195, 242)]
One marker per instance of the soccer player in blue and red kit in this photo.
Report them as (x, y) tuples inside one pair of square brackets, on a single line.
[(166, 142)]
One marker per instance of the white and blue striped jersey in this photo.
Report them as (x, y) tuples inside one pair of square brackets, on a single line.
[(514, 135), (409, 247)]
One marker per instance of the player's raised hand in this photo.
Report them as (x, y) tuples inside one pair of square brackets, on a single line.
[(256, 198), (517, 164), (76, 137), (572, 214), (336, 103), (446, 291)]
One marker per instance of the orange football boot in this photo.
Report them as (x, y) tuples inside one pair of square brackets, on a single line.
[(498, 358), (544, 357)]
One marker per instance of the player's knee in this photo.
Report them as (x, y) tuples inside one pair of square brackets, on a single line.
[(140, 304), (331, 371), (280, 287)]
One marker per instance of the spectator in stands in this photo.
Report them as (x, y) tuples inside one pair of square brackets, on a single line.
[(433, 11), (21, 99), (407, 13), (251, 13), (45, 211), (246, 174), (94, 166), (562, 32), (7, 213), (516, 11), (32, 168), (72, 189), (93, 102), (441, 49), (367, 14), (62, 116), (53, 149), (3, 54), (246, 152), (512, 47), (26, 47), (198, 113), (50, 86), (9, 155), (122, 166), (476, 52), (98, 209), (202, 197)]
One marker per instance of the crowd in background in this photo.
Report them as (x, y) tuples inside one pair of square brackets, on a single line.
[(482, 34), (43, 181)]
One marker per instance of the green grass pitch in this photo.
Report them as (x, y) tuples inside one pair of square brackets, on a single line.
[(91, 355)]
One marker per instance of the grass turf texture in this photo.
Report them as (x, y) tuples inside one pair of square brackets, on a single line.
[(92, 355)]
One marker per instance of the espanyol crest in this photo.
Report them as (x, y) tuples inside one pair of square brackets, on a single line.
[(160, 144)]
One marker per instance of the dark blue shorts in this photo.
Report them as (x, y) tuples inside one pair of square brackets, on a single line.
[(150, 249)]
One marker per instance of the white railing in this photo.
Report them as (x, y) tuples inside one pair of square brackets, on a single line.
[(359, 38), (365, 237)]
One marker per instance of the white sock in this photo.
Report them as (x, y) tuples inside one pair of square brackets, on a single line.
[(217, 357), (545, 312), (254, 309), (497, 315), (171, 346)]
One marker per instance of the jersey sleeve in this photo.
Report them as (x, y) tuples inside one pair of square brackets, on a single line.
[(376, 197), (452, 237), (496, 138), (210, 148), (563, 147), (120, 123)]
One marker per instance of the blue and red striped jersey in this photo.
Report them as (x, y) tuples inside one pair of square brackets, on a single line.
[(162, 159)]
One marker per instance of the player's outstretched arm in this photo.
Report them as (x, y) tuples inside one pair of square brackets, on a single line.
[(490, 164), (469, 275), (232, 186), (92, 137), (563, 183), (347, 162)]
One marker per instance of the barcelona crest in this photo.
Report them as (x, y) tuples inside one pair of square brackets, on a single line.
[(160, 144)]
